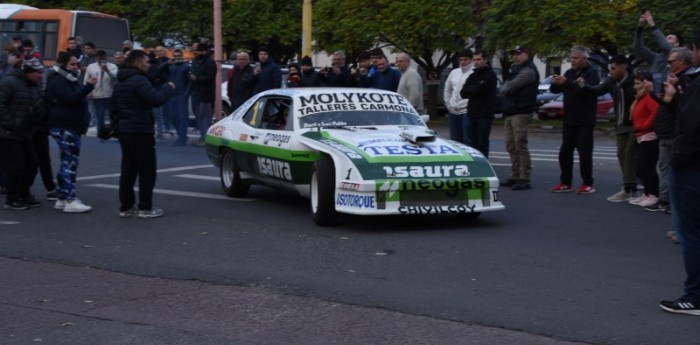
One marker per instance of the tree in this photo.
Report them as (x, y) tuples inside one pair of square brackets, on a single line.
[(552, 27), (431, 33), (247, 23)]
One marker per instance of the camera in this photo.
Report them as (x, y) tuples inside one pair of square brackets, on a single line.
[(643, 10)]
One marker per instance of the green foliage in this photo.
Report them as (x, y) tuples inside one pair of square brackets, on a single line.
[(418, 28), (551, 27)]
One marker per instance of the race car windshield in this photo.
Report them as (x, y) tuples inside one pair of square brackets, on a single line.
[(337, 119)]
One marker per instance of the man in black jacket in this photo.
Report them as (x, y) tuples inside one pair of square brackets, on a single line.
[(309, 76), (679, 60), (480, 89), (685, 183), (621, 86), (204, 87), (579, 120), (520, 99), (133, 101), (17, 119), (268, 75), (240, 85)]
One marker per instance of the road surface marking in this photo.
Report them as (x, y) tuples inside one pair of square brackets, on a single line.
[(191, 167), (199, 177), (175, 192)]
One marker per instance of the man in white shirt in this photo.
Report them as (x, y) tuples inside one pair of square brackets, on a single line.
[(106, 74), (455, 104)]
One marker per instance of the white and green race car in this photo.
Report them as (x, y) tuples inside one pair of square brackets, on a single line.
[(356, 151)]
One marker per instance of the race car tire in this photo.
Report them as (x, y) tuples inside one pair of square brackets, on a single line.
[(323, 192), (231, 177)]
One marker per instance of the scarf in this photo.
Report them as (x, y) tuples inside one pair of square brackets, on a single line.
[(71, 76)]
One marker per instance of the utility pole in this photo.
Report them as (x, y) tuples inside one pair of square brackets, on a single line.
[(218, 57), (306, 28)]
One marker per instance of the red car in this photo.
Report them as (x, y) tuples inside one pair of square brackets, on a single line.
[(555, 108)]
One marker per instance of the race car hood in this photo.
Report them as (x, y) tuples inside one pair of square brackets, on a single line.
[(411, 152)]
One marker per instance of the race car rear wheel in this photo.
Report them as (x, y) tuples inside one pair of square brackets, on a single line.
[(231, 177), (323, 192)]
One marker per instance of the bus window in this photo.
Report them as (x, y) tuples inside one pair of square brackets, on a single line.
[(107, 33), (42, 33)]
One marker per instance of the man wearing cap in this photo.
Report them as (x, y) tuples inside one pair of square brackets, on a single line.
[(18, 101), (520, 99), (203, 88), (267, 74), (579, 120), (309, 76)]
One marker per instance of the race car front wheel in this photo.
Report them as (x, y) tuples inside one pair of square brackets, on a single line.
[(231, 176), (323, 192)]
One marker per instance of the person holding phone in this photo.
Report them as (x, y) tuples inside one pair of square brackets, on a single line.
[(656, 60), (106, 74)]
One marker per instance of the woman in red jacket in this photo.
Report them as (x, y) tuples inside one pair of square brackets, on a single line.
[(643, 112)]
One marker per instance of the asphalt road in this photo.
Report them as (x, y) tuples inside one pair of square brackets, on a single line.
[(550, 269)]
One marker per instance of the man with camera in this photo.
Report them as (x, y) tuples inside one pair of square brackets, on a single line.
[(106, 74), (337, 75)]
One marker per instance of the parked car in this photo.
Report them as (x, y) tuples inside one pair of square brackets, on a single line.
[(349, 150), (544, 85), (546, 97), (555, 109)]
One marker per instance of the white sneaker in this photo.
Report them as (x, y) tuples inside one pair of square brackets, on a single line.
[(637, 200), (650, 200), (620, 196), (60, 204), (76, 206)]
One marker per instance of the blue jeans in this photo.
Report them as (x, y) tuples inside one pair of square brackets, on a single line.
[(479, 132), (158, 116), (177, 113), (101, 105), (685, 198), (203, 113), (663, 165), (459, 128)]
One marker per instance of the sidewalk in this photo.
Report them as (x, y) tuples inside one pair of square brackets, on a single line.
[(45, 303)]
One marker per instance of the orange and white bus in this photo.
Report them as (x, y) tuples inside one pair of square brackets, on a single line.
[(50, 29)]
